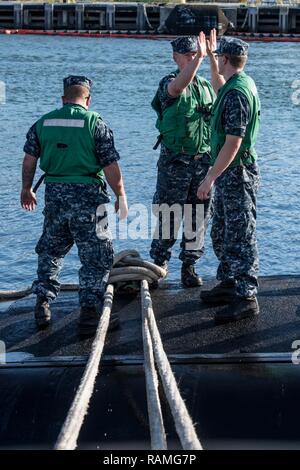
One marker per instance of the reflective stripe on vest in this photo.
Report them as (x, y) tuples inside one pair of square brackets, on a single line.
[(64, 122), (66, 136)]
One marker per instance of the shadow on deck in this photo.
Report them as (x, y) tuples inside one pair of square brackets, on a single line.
[(238, 380)]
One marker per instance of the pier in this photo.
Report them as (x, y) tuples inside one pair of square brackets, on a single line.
[(142, 18)]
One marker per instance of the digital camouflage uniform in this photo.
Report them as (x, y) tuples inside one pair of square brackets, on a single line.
[(234, 208), (71, 215), (178, 178)]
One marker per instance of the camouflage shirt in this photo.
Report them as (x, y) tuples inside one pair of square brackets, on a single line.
[(103, 138), (236, 113), (162, 92)]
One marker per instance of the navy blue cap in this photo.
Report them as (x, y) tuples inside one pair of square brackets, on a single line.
[(232, 46), (185, 44)]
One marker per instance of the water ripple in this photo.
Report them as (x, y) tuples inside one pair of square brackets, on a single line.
[(126, 73)]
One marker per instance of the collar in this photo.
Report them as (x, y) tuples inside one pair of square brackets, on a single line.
[(75, 104)]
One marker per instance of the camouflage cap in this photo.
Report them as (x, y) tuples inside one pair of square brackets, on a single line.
[(185, 44), (232, 46), (77, 80)]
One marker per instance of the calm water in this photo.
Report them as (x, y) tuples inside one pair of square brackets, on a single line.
[(126, 74)]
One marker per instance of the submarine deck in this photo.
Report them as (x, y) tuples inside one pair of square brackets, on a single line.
[(238, 381), (186, 325)]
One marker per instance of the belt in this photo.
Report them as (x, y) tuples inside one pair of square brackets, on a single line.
[(200, 156), (38, 184), (94, 175)]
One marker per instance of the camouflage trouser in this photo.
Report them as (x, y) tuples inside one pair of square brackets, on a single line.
[(71, 216), (234, 228), (177, 183)]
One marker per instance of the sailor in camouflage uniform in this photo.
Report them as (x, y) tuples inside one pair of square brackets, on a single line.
[(183, 103), (235, 126), (75, 149)]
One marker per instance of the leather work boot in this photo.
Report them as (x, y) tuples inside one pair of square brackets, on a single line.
[(163, 265), (42, 312), (221, 294), (238, 309), (89, 320), (189, 277)]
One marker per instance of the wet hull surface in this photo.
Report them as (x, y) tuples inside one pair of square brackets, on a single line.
[(238, 381)]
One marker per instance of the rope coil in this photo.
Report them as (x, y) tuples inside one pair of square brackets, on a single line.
[(128, 265)]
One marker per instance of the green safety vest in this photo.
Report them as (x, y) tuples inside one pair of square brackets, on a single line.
[(184, 126), (247, 153), (66, 137)]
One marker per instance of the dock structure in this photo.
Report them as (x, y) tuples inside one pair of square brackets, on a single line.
[(240, 381), (138, 17)]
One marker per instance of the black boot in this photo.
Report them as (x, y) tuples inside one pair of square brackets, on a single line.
[(42, 312), (221, 294), (89, 319), (163, 265), (189, 277), (238, 309)]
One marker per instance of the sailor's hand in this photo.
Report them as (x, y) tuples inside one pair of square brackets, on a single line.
[(205, 188), (28, 199), (121, 207), (201, 44), (211, 43)]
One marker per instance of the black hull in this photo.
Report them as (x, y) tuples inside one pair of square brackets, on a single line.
[(238, 381)]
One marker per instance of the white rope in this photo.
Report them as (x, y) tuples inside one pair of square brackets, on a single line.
[(18, 294), (14, 294), (137, 270), (127, 266), (157, 431), (146, 16), (67, 439), (245, 20), (183, 423)]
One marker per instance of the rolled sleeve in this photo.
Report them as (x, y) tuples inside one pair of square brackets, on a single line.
[(104, 144), (236, 113), (32, 145), (163, 94)]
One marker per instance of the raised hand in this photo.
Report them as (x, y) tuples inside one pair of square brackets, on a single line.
[(211, 43), (201, 42)]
